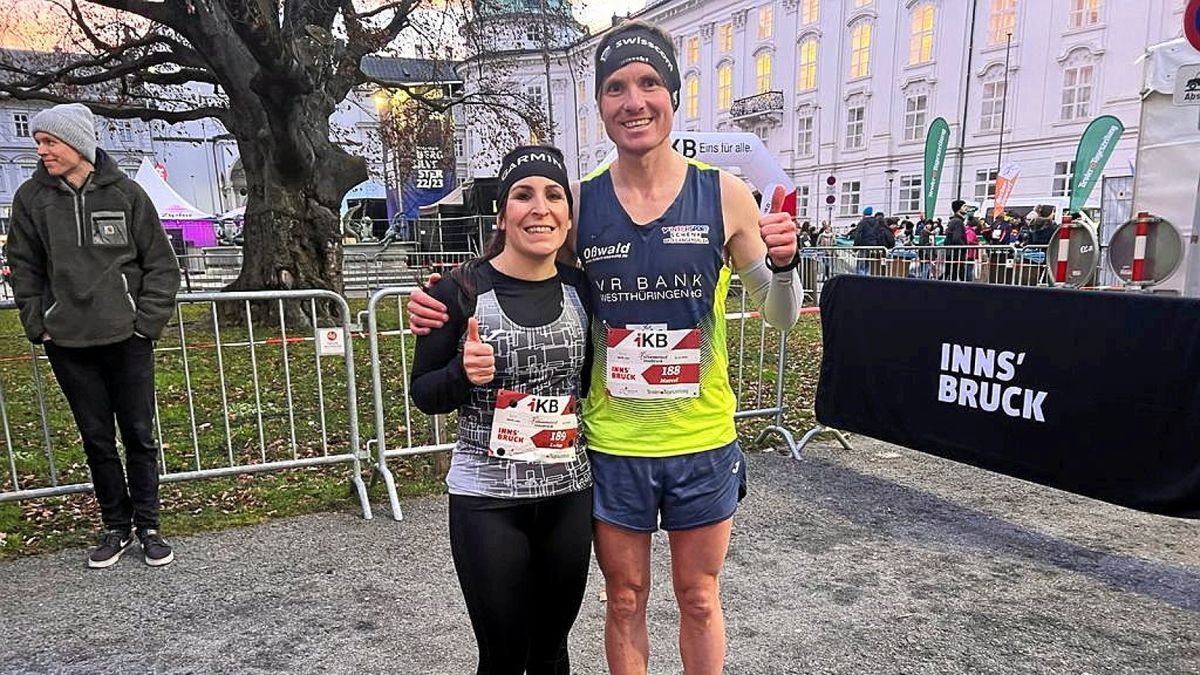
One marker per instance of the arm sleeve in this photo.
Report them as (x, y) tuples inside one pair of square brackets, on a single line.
[(439, 383), (27, 257), (779, 295), (160, 269)]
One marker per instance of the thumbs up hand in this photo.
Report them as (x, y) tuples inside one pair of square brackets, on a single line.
[(778, 230), (479, 358)]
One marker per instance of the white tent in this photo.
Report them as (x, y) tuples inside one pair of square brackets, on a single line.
[(170, 205)]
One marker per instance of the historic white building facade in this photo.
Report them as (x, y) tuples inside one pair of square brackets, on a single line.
[(847, 88)]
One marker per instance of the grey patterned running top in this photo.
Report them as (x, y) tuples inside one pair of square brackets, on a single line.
[(546, 359)]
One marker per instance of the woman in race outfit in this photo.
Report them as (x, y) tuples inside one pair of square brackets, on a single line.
[(510, 360)]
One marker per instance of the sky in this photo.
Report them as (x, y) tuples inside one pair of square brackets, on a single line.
[(598, 13)]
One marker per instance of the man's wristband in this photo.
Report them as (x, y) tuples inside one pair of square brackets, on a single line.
[(786, 268)]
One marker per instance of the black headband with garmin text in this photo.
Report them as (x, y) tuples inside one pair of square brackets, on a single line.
[(533, 160)]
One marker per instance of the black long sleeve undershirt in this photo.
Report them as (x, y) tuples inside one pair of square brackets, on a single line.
[(439, 382)]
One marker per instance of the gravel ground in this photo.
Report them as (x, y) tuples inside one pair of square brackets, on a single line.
[(877, 560)]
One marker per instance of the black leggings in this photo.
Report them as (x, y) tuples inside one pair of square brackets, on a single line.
[(523, 566)]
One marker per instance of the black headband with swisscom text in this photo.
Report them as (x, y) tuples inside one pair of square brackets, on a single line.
[(642, 46)]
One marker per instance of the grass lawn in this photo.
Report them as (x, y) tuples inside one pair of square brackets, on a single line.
[(278, 401)]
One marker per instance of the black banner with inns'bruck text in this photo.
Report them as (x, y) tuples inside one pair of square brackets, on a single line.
[(1092, 392)]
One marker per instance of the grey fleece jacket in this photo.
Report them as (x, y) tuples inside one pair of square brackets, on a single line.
[(90, 266)]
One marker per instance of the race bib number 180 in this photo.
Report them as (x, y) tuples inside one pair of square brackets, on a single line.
[(532, 428), (649, 362)]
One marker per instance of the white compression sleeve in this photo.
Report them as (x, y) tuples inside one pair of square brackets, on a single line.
[(779, 295)]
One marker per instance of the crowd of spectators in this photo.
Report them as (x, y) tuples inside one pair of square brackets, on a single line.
[(903, 238)]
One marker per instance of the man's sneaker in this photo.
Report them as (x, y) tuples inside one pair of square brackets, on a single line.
[(112, 545), (158, 551)]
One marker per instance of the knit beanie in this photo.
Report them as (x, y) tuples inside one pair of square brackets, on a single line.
[(71, 123)]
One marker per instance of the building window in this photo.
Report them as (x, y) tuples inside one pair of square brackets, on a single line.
[(693, 50), (534, 94), (766, 22), (862, 3), (763, 132), (985, 185), (1084, 13), (583, 128), (693, 97), (915, 109), (807, 72), (762, 72), (810, 12), (581, 89), (458, 144), (1077, 92), (125, 131), (802, 196), (725, 35), (1063, 173), (920, 46), (910, 193), (21, 125), (855, 117), (992, 101), (860, 50), (851, 197), (1002, 21), (804, 133), (724, 86), (533, 34)]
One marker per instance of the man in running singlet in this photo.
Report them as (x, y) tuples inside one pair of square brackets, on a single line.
[(657, 235)]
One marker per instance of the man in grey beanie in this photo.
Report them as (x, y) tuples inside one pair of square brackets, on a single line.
[(94, 278)]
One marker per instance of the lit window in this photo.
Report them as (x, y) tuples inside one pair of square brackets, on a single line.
[(915, 109), (21, 125), (724, 86), (1077, 92), (762, 72), (1084, 13), (860, 50), (855, 127), (804, 133), (766, 20), (1063, 173), (810, 12), (851, 198), (920, 46), (862, 3), (910, 193), (693, 97), (992, 101), (1002, 20), (693, 50), (726, 37), (807, 71), (985, 185)]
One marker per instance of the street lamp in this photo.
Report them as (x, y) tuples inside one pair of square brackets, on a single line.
[(891, 176)]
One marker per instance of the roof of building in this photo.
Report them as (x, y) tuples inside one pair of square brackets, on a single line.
[(402, 70)]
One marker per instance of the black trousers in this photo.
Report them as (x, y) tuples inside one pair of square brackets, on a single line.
[(523, 566), (101, 383)]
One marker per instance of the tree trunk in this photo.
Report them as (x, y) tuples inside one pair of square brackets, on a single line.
[(293, 234)]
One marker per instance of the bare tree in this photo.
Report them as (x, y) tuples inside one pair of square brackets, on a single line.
[(272, 72)]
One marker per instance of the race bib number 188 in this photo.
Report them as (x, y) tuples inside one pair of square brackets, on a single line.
[(649, 362), (532, 428)]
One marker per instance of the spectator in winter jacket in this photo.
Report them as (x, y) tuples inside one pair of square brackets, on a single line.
[(956, 235), (94, 277)]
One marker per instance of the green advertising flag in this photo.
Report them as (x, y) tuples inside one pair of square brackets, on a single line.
[(1096, 146), (936, 143)]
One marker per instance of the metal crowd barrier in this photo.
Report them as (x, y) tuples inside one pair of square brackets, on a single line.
[(227, 397), (757, 367), (1001, 265)]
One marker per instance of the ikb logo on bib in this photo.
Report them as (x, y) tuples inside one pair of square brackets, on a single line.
[(653, 362)]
